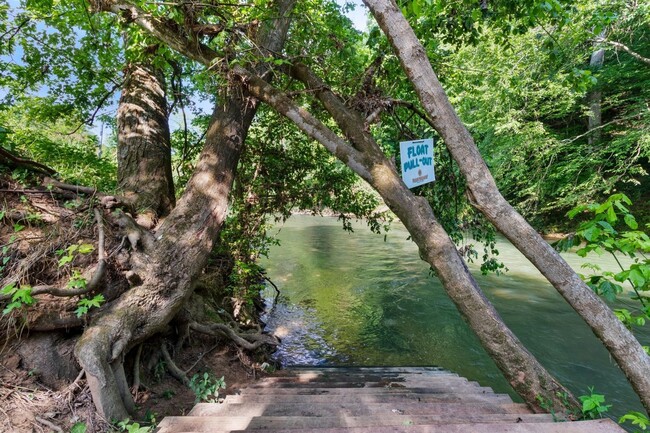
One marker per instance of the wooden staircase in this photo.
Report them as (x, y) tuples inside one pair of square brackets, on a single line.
[(371, 400)]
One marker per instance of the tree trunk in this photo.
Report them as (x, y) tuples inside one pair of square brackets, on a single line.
[(522, 370), (170, 266), (485, 196), (594, 98), (144, 170)]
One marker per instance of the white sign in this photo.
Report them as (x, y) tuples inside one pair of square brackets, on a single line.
[(417, 162)]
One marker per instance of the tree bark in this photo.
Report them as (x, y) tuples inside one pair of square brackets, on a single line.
[(594, 98), (144, 170), (171, 266), (486, 197)]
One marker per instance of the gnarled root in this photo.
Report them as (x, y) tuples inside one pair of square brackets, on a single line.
[(105, 376), (248, 341)]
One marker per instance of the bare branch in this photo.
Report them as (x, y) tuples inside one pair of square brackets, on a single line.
[(99, 106), (11, 160), (49, 424), (626, 49)]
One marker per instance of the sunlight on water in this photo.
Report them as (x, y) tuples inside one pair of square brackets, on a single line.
[(353, 299)]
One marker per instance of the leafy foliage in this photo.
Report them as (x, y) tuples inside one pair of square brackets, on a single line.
[(20, 296), (637, 419), (599, 235), (593, 405), (49, 133), (206, 387), (86, 304)]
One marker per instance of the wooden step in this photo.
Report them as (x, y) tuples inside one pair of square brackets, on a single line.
[(369, 398), (428, 371), (595, 426), (354, 409), (370, 378), (468, 388), (229, 423), (439, 384)]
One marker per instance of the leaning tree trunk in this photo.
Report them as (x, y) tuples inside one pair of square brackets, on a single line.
[(168, 266), (486, 197), (529, 378), (144, 172)]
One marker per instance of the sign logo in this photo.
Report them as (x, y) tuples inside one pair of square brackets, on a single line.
[(417, 162)]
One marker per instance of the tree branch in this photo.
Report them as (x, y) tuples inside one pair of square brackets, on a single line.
[(11, 160), (626, 49), (163, 29)]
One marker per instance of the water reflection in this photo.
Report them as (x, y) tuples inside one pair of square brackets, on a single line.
[(351, 298)]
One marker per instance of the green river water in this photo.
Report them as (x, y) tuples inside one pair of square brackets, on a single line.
[(357, 299)]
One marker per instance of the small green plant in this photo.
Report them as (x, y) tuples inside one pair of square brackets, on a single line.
[(79, 427), (20, 296), (168, 394), (133, 427), (636, 418), (206, 387), (77, 281), (86, 304), (593, 405), (67, 255), (567, 409), (150, 417)]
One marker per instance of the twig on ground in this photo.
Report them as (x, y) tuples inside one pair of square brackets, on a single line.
[(49, 424), (201, 357)]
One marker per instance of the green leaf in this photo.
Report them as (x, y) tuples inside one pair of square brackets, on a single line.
[(8, 289), (591, 233), (636, 277), (65, 260), (611, 215), (631, 221), (12, 306), (86, 248), (79, 427), (80, 311)]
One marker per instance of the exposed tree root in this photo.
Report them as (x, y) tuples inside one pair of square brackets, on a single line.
[(173, 369), (248, 341)]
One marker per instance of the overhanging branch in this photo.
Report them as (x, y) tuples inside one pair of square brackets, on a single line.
[(626, 49)]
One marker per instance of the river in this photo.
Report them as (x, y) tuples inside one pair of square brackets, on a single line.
[(362, 299)]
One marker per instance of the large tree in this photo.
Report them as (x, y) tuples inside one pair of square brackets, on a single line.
[(166, 265)]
